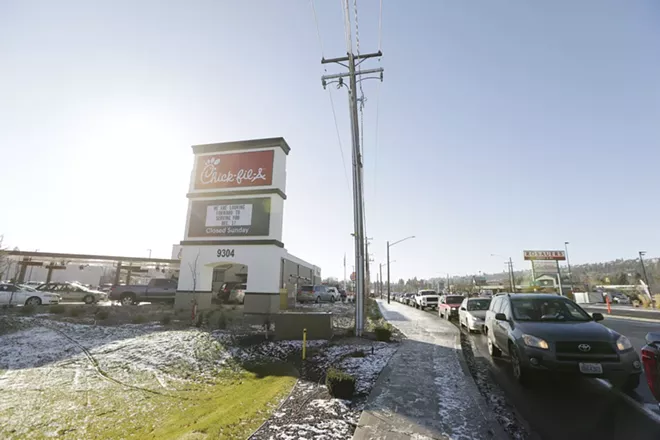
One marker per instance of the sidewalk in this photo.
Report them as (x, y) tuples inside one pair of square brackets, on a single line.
[(425, 392)]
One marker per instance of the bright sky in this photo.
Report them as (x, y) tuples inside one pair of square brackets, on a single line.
[(502, 126)]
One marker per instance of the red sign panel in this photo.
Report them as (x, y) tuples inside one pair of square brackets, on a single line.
[(545, 255), (235, 170)]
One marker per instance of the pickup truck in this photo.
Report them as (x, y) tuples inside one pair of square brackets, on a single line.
[(426, 298), (158, 290)]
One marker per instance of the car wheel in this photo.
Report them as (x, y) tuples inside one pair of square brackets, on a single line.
[(33, 301), (318, 299), (332, 299), (519, 373), (89, 299), (493, 351), (127, 299), (421, 307)]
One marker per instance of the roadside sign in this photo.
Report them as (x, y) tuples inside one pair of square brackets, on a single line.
[(353, 276), (544, 255)]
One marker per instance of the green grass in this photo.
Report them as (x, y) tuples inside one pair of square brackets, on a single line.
[(230, 407)]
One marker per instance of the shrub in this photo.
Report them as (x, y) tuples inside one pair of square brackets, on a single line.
[(340, 385), (75, 311), (656, 300), (139, 319), (222, 321), (358, 354), (199, 320), (28, 309), (383, 333), (57, 309), (166, 319), (102, 314), (645, 300)]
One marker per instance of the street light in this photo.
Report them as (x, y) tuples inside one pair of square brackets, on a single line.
[(389, 245), (510, 264), (380, 285)]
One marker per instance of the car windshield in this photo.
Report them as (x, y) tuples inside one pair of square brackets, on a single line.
[(547, 309), (80, 286), (427, 292), (454, 299), (26, 287), (478, 304)]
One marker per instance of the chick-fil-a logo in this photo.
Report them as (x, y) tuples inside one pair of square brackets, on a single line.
[(243, 169)]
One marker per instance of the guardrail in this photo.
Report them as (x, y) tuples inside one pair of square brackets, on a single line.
[(635, 312)]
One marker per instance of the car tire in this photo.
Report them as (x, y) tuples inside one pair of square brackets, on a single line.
[(421, 307), (493, 351), (521, 374), (318, 300), (332, 299), (33, 301), (89, 299), (127, 299)]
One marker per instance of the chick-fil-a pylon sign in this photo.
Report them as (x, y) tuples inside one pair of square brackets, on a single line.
[(234, 170)]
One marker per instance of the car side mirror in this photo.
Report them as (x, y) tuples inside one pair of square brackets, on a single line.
[(597, 316), (463, 308), (500, 316)]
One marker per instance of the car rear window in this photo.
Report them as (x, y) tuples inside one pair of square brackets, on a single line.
[(478, 304), (307, 288), (427, 292), (454, 299)]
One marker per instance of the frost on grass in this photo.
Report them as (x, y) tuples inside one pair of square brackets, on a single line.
[(72, 377)]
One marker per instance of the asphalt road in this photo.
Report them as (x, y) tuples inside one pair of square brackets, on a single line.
[(566, 409)]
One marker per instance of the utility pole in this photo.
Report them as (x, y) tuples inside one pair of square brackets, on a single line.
[(381, 280), (345, 285), (358, 193), (511, 278), (568, 263), (646, 278), (388, 272)]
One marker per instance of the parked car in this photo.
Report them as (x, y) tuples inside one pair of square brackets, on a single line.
[(74, 292), (426, 298), (315, 293), (11, 293), (158, 290), (409, 299), (550, 333), (225, 290), (335, 293), (618, 298), (448, 306), (237, 294), (472, 313)]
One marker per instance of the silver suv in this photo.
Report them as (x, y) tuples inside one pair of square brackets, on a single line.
[(550, 333)]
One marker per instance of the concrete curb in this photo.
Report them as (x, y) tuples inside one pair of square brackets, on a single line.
[(639, 407), (496, 428)]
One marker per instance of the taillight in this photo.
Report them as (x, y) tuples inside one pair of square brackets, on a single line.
[(650, 361)]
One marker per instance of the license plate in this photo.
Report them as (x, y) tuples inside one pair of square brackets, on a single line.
[(589, 368)]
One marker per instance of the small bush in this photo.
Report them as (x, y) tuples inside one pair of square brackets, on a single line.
[(75, 312), (383, 333), (222, 321), (340, 385), (645, 300), (102, 314), (358, 354), (28, 309), (656, 300), (57, 309), (139, 319), (166, 319)]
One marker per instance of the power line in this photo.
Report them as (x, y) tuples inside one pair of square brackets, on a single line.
[(341, 148), (318, 29), (332, 104)]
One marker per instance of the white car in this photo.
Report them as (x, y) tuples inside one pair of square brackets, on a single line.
[(427, 298), (25, 295), (335, 293), (472, 313)]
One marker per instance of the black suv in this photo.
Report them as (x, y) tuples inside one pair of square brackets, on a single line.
[(550, 333)]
